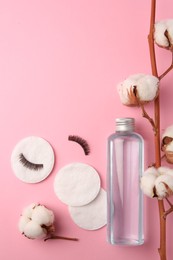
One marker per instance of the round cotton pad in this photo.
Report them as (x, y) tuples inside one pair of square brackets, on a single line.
[(77, 184), (91, 216), (32, 159)]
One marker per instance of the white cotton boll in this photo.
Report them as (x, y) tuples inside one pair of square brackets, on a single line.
[(147, 184), (27, 211), (23, 221), (42, 215), (159, 35), (37, 221), (40, 223), (164, 186), (146, 86), (33, 230)]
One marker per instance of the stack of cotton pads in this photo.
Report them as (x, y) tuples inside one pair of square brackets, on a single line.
[(78, 186)]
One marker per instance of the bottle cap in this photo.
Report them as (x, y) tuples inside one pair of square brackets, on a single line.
[(125, 124)]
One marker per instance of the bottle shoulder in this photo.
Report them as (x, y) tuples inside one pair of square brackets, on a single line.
[(125, 135)]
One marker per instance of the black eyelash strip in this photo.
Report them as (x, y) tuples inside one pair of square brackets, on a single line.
[(28, 164), (82, 142)]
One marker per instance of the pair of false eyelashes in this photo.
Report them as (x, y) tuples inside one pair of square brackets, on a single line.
[(36, 167)]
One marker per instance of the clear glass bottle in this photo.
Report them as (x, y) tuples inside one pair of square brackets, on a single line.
[(124, 196)]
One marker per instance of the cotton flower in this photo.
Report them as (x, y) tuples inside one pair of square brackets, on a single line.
[(167, 144), (157, 182), (163, 34), (37, 222), (138, 88)]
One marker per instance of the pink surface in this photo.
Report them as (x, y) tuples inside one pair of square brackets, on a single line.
[(60, 62)]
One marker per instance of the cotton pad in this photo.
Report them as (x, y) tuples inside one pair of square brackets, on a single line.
[(32, 159), (77, 184), (91, 216)]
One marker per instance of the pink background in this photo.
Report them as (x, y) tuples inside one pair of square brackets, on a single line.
[(60, 62)]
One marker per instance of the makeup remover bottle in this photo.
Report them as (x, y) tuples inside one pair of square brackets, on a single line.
[(124, 196)]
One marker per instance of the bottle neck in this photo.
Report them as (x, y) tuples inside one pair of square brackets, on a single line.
[(125, 125)]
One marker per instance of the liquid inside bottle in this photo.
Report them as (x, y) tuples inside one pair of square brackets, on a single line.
[(125, 200)]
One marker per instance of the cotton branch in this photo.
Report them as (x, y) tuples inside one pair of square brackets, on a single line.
[(168, 70), (162, 249), (60, 237), (144, 113), (170, 210)]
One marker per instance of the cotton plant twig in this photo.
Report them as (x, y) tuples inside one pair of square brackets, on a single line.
[(155, 73), (168, 201), (170, 210), (145, 115), (60, 237), (167, 212), (168, 70), (162, 212), (144, 112), (162, 248), (154, 164)]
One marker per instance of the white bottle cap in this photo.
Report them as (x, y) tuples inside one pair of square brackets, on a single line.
[(125, 124)]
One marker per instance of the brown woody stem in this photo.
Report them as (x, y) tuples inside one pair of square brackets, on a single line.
[(145, 115), (162, 248), (167, 212), (163, 156), (144, 112)]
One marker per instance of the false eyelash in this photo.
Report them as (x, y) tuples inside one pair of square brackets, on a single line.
[(82, 142), (28, 164)]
